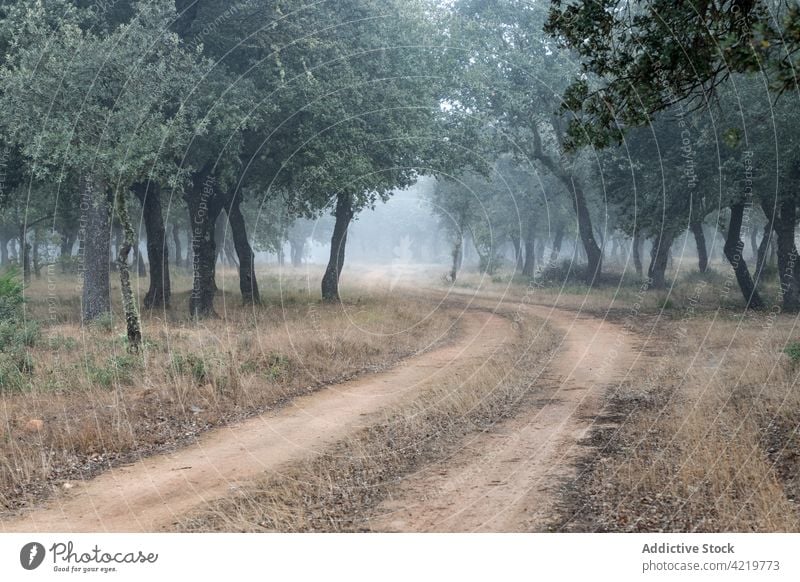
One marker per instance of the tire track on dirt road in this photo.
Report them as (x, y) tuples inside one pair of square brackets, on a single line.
[(507, 479), (151, 494)]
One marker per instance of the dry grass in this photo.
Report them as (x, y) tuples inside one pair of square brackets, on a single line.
[(707, 438), (337, 489), (101, 405)]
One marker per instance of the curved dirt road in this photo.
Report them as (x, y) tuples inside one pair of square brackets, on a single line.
[(150, 495), (506, 480)]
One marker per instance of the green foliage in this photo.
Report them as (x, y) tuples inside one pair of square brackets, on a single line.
[(192, 365), (274, 367), (792, 350), (11, 295), (104, 322), (644, 56), (16, 335), (115, 370)]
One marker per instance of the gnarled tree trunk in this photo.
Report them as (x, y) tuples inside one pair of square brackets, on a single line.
[(458, 255), (766, 242), (700, 242), (205, 205), (248, 284), (518, 258), (529, 267), (297, 248), (557, 240), (176, 241), (132, 325), (659, 256), (160, 290), (638, 241), (96, 242), (787, 254), (594, 256), (344, 214), (733, 252)]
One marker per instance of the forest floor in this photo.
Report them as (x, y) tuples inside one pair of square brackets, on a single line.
[(493, 405)]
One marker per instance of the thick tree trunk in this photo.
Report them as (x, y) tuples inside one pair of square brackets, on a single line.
[(733, 252), (132, 325), (4, 252), (659, 256), (330, 281), (540, 251), (557, 240), (594, 256), (160, 289), (205, 206), (638, 241), (67, 240), (297, 248), (141, 269), (458, 252), (25, 254), (96, 242), (176, 241), (529, 267), (766, 243), (700, 243), (37, 267), (248, 284), (787, 255), (518, 259)]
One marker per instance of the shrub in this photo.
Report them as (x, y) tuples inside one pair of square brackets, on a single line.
[(792, 350), (16, 335)]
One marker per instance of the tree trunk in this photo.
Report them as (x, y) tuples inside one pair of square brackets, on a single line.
[(540, 251), (96, 242), (733, 252), (787, 255), (594, 256), (330, 281), (557, 240), (458, 252), (248, 284), (700, 243), (160, 290), (529, 266), (518, 263), (25, 253), (67, 240), (766, 242), (637, 252), (659, 257), (205, 206), (297, 248), (37, 268), (132, 325), (176, 240), (4, 251)]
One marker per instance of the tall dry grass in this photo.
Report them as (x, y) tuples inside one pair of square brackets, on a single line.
[(707, 436), (100, 405)]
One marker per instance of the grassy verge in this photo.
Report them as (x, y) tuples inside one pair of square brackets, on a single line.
[(84, 403), (338, 489)]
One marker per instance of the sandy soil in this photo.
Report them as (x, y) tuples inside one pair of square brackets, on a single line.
[(149, 495), (507, 479)]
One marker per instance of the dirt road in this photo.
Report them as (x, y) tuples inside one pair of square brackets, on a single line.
[(149, 495), (506, 480), (502, 480)]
